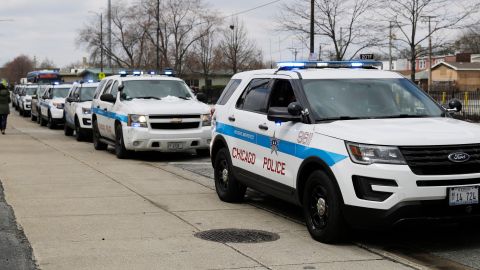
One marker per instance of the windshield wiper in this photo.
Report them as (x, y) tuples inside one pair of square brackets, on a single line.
[(340, 118), (149, 97), (185, 98), (405, 116)]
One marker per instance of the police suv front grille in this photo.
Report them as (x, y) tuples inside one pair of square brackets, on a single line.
[(170, 116), (175, 125), (433, 160)]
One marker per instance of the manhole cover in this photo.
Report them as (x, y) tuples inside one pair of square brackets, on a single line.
[(237, 236)]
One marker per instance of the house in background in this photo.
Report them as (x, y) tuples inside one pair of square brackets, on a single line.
[(462, 76)]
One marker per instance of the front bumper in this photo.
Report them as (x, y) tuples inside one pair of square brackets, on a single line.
[(57, 114), (146, 139)]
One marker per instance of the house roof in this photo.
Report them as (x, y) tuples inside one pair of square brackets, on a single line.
[(459, 65)]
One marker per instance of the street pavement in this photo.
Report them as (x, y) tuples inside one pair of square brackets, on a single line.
[(85, 209)]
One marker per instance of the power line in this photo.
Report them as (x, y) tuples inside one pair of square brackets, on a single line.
[(252, 9)]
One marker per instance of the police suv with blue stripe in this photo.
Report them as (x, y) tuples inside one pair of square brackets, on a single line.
[(78, 110), (351, 144), (144, 112), (51, 105)]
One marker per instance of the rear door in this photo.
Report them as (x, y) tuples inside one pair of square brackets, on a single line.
[(101, 108), (247, 124)]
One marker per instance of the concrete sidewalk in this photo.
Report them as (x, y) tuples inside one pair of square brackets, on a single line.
[(85, 209)]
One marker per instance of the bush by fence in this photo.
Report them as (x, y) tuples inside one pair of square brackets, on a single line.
[(469, 99)]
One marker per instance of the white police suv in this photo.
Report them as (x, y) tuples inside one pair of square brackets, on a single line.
[(149, 113), (52, 103), (353, 145), (78, 110), (25, 99)]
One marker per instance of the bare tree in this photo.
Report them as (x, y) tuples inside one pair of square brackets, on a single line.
[(347, 25), (411, 18), (203, 54), (47, 64), (17, 68), (238, 51), (469, 41)]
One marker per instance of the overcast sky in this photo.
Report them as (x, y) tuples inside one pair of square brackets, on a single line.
[(48, 28)]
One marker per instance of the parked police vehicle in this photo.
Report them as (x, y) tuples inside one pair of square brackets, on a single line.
[(25, 99), (149, 113), (52, 103), (13, 95), (353, 145), (78, 111), (35, 104)]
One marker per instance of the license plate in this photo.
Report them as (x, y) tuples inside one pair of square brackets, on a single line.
[(462, 195), (175, 145)]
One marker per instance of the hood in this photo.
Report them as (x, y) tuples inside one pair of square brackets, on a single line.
[(58, 100), (167, 105), (403, 132), (85, 104)]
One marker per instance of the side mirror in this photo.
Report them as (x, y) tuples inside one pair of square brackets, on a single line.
[(69, 99), (34, 96), (202, 97), (120, 87), (455, 105), (282, 114), (108, 98), (295, 109)]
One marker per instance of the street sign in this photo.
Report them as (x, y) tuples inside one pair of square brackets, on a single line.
[(101, 75), (366, 56)]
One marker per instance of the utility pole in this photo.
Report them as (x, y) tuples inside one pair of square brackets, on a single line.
[(294, 51), (110, 34), (158, 36), (101, 42), (429, 20), (312, 29), (390, 47)]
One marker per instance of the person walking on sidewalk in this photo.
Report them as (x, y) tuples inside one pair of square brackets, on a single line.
[(4, 107)]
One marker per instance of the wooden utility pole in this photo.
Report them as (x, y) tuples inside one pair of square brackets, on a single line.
[(429, 20), (312, 29)]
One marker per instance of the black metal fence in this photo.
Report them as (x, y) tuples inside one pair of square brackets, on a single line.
[(470, 101)]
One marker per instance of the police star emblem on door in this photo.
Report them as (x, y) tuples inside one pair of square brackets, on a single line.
[(274, 144)]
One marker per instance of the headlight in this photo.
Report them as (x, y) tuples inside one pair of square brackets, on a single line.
[(86, 111), (206, 120), (136, 120), (58, 105), (369, 154)]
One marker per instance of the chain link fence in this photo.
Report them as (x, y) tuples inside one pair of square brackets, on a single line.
[(470, 101)]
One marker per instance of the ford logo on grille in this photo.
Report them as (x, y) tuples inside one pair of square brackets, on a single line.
[(459, 157)]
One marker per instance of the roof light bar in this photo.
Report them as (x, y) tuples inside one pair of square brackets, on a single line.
[(123, 73), (137, 73), (329, 64)]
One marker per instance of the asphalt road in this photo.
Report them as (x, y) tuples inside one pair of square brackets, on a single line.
[(15, 250)]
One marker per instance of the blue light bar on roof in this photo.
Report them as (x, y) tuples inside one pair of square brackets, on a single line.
[(328, 64), (137, 73), (90, 81), (123, 73)]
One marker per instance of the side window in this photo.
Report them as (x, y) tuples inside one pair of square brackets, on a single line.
[(228, 91), (254, 98), (107, 87), (99, 89), (114, 90), (282, 94)]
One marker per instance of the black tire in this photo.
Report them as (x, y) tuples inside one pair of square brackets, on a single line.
[(227, 187), (79, 133), (322, 209), (50, 123), (97, 144), (203, 152), (20, 112), (43, 122), (33, 118), (39, 116), (68, 131), (120, 151)]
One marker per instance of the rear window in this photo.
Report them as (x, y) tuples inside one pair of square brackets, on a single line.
[(228, 91)]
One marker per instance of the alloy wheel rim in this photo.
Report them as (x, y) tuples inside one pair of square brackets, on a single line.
[(318, 208)]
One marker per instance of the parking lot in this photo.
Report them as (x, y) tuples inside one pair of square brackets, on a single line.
[(86, 209)]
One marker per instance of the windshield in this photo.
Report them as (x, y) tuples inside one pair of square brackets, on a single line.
[(86, 94), (60, 92), (368, 98), (155, 89), (30, 91)]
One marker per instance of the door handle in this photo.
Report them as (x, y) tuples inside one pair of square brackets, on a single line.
[(105, 109), (263, 127), (231, 118), (98, 107)]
